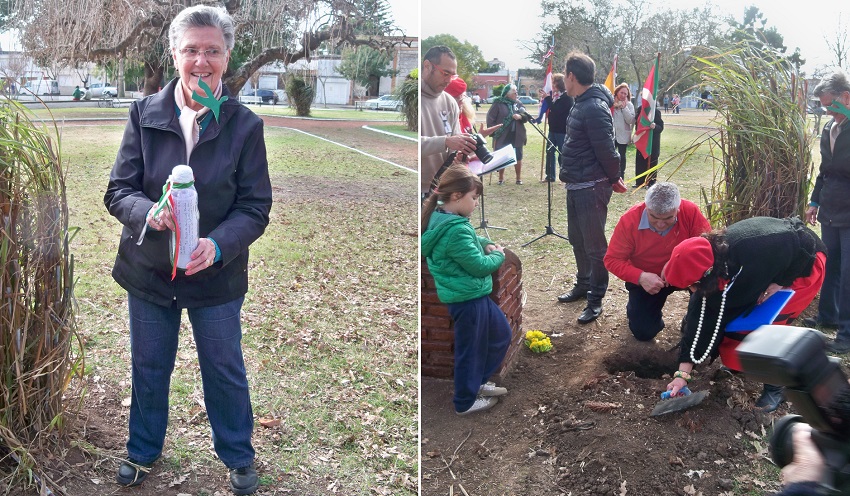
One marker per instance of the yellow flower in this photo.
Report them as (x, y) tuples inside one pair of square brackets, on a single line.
[(537, 341)]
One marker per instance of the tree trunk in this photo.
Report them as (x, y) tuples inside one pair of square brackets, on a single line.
[(154, 72)]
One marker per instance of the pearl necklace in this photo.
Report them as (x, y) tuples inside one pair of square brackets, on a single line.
[(716, 327)]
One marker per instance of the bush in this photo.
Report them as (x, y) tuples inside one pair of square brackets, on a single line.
[(301, 95), (408, 93)]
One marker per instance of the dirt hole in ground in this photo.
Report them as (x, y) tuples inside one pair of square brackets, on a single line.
[(650, 364)]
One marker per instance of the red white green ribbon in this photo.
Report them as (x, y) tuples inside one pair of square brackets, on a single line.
[(166, 200)]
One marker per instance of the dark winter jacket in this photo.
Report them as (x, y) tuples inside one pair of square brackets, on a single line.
[(589, 153), (456, 258), (234, 199), (766, 250), (558, 113), (833, 182)]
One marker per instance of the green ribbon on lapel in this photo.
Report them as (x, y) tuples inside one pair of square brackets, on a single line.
[(210, 100)]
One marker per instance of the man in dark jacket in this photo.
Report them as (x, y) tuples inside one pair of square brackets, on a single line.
[(830, 204), (590, 167)]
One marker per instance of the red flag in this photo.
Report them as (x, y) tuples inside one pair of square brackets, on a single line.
[(643, 132), (547, 84)]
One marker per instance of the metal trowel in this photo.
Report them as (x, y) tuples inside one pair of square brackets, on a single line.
[(678, 404)]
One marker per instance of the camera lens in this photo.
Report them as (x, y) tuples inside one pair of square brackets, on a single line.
[(481, 150), (781, 445)]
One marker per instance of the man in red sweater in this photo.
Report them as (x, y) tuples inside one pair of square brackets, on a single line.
[(640, 246)]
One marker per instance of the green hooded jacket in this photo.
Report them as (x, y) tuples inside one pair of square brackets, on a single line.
[(456, 258)]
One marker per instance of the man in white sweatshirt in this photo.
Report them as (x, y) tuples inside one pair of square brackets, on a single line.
[(439, 129)]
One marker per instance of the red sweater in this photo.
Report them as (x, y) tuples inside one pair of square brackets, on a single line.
[(633, 251)]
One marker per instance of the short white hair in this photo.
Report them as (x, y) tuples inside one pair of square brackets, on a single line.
[(662, 198), (201, 16)]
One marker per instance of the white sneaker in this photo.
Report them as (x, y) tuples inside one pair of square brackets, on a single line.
[(481, 403), (491, 389)]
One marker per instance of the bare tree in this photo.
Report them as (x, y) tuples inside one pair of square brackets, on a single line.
[(267, 31), (836, 41)]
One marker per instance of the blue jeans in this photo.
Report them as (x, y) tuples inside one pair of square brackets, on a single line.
[(482, 337), (153, 346), (834, 304), (587, 212), (551, 158)]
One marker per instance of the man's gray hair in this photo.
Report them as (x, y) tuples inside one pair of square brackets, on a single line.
[(201, 16), (834, 84), (662, 198)]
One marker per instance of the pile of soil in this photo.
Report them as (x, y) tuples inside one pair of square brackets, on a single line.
[(576, 419)]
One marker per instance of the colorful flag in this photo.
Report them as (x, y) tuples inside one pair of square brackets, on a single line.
[(643, 132), (612, 77)]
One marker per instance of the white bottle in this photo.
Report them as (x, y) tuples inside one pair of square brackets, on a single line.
[(185, 213)]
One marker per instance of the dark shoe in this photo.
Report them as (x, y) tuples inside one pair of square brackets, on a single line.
[(838, 347), (813, 323), (572, 295), (589, 314), (770, 399), (131, 473), (518, 181), (244, 480)]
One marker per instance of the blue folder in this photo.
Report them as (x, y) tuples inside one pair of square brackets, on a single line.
[(762, 314)]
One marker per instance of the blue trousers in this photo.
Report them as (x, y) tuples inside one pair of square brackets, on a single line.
[(587, 212), (153, 346), (834, 304), (482, 337), (644, 311)]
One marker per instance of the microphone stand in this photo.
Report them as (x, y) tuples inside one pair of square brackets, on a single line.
[(484, 225), (549, 230)]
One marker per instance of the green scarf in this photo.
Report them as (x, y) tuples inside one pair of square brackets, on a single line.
[(506, 123)]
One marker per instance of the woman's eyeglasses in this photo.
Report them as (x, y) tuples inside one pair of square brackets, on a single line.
[(194, 53)]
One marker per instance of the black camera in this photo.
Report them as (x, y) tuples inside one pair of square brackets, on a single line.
[(481, 150), (794, 357)]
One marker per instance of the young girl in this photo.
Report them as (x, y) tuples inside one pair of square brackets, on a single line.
[(461, 263)]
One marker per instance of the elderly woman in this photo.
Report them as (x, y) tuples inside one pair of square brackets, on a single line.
[(729, 271), (506, 110), (623, 113), (223, 143), (830, 204)]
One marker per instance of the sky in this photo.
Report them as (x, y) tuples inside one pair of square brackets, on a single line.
[(406, 15), (500, 32)]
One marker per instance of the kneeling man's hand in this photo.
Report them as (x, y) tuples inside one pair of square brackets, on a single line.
[(651, 283)]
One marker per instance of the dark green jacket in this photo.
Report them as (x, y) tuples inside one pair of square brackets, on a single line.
[(456, 258)]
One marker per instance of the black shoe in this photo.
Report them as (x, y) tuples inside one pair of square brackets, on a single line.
[(838, 347), (770, 399), (244, 480), (589, 314), (131, 473), (813, 323), (572, 295)]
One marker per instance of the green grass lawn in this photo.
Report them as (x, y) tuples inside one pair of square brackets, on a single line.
[(329, 322), (317, 112)]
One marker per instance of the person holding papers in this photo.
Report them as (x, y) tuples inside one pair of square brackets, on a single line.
[(730, 271), (507, 110)]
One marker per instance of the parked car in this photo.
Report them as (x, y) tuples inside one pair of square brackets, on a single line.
[(101, 90), (527, 100), (268, 96), (40, 87), (386, 102)]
